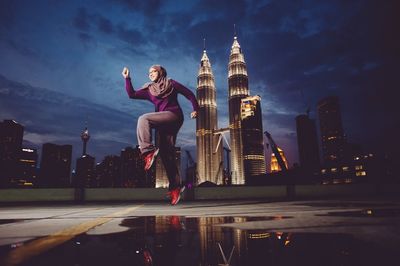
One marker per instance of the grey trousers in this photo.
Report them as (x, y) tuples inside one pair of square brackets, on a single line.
[(167, 125)]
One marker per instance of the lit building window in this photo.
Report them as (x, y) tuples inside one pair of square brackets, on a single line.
[(323, 171), (334, 170), (361, 173), (358, 167), (345, 168)]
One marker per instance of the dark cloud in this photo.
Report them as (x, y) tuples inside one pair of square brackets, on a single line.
[(225, 9), (22, 48), (149, 7), (272, 119), (271, 16), (105, 25), (8, 9), (132, 37), (85, 38), (82, 20)]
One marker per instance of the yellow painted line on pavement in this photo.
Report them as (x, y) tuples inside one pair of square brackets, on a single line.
[(36, 247)]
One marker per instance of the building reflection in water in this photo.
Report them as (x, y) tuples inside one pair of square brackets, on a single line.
[(179, 240)]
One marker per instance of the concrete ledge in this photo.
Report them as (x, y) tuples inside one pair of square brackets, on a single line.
[(125, 194), (239, 192), (198, 193), (36, 195), (334, 190)]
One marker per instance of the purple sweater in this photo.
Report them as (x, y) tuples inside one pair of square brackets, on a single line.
[(169, 103)]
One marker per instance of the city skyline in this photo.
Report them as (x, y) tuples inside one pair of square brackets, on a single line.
[(61, 65)]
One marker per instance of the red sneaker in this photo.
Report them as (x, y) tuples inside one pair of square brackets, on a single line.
[(168, 195), (175, 196), (149, 158)]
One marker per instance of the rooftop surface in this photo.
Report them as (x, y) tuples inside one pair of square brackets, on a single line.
[(353, 231)]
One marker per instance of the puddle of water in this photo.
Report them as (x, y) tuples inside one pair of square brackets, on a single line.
[(382, 213), (346, 204), (9, 221), (175, 240)]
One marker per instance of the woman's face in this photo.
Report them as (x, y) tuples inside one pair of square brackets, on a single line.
[(153, 74)]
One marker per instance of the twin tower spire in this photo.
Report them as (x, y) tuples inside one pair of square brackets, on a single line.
[(247, 156)]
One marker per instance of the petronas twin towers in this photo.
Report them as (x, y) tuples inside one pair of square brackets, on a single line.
[(245, 124)]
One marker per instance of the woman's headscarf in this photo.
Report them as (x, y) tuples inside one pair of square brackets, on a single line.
[(162, 87)]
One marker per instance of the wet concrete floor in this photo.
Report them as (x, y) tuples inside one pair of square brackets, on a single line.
[(324, 232)]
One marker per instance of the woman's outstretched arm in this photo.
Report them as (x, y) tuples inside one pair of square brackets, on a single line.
[(139, 94)]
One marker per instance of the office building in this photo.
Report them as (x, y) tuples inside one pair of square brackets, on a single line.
[(307, 142), (55, 165), (11, 134), (253, 138), (331, 129)]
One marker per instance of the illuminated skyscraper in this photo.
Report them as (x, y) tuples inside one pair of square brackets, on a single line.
[(238, 89), (333, 139), (209, 161), (252, 134)]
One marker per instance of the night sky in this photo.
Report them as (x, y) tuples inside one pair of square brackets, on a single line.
[(61, 63)]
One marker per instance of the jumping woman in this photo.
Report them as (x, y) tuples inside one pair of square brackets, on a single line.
[(167, 120)]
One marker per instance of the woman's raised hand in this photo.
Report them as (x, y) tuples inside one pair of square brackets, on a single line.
[(125, 72)]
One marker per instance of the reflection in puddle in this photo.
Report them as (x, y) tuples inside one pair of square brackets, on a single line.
[(175, 240), (386, 213), (9, 221), (341, 204)]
